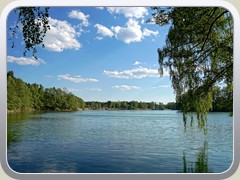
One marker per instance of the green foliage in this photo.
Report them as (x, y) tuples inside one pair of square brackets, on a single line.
[(198, 54), (37, 95), (33, 22), (129, 105), (57, 99), (223, 99), (201, 163), (18, 96), (22, 97), (161, 106), (171, 105)]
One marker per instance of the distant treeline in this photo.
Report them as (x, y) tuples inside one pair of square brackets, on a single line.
[(129, 105), (23, 96)]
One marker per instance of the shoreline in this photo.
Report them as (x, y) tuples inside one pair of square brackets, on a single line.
[(103, 109), (86, 109)]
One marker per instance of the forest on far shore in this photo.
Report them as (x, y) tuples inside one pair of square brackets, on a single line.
[(22, 96)]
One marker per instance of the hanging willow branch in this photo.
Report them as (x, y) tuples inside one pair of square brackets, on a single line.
[(198, 54)]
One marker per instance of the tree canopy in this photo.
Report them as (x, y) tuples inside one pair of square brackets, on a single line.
[(33, 21), (198, 53), (23, 96)]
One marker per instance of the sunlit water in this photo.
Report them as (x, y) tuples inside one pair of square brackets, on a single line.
[(118, 142)]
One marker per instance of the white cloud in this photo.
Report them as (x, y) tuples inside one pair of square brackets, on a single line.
[(99, 37), (161, 86), (129, 12), (88, 89), (62, 35), (103, 31), (125, 87), (147, 32), (132, 32), (164, 86), (135, 73), (137, 63), (80, 16), (73, 90), (25, 60), (129, 33), (75, 79)]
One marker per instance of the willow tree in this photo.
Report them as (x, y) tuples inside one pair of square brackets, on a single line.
[(33, 23), (198, 53)]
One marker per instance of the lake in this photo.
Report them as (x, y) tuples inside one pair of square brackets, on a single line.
[(117, 142)]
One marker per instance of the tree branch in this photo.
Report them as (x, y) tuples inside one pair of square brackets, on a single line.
[(210, 28)]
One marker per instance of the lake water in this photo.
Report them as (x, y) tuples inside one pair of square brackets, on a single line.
[(117, 142)]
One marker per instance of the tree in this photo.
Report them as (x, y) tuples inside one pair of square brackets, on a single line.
[(37, 92), (133, 105), (33, 22), (198, 53), (161, 106), (171, 105), (18, 95), (124, 105), (152, 105), (23, 96), (223, 99), (12, 98)]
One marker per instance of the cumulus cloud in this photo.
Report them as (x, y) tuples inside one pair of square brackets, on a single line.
[(129, 33), (62, 35), (135, 73), (75, 79), (125, 87), (132, 32), (25, 61), (129, 12), (137, 63), (80, 16), (103, 31)]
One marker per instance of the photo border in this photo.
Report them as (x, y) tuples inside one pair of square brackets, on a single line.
[(125, 3)]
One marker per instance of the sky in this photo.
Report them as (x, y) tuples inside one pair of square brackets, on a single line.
[(97, 53)]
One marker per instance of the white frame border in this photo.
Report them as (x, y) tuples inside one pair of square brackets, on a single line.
[(135, 3)]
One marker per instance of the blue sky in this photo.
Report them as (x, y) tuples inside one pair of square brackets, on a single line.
[(98, 54)]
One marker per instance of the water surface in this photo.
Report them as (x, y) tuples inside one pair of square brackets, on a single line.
[(117, 142)]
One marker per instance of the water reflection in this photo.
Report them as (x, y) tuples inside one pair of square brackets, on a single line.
[(202, 122), (201, 163), (122, 142), (14, 133)]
